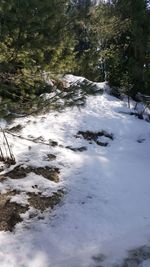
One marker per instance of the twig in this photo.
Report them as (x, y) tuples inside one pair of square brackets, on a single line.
[(28, 139), (2, 156), (9, 157), (9, 149)]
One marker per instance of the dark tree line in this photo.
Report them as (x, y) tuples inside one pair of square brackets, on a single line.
[(108, 40)]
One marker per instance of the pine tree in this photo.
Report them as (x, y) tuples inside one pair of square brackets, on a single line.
[(123, 29), (138, 15), (34, 37), (30, 27)]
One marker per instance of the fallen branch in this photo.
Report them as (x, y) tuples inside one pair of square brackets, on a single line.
[(28, 139)]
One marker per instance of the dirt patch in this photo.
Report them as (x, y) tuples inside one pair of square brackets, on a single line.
[(42, 203), (140, 140), (50, 173), (2, 178), (1, 169), (136, 257), (16, 128), (10, 212), (18, 172), (53, 143), (95, 136), (98, 259), (51, 157), (77, 149)]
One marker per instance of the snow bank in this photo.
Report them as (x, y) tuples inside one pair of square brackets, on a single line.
[(106, 209)]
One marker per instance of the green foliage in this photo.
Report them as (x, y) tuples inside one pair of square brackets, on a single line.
[(124, 32), (109, 41), (34, 37)]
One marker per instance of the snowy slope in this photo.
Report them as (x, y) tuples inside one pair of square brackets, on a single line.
[(106, 209)]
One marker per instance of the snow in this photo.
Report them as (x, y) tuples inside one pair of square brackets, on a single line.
[(145, 264), (106, 208), (73, 79), (20, 199)]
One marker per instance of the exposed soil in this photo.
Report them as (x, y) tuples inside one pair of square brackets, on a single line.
[(53, 143), (77, 149), (18, 172), (1, 169), (10, 212), (42, 203), (51, 157), (98, 259), (2, 178), (50, 173), (136, 257), (95, 136), (140, 140), (16, 128)]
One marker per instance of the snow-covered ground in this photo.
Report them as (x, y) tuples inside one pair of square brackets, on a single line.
[(106, 210)]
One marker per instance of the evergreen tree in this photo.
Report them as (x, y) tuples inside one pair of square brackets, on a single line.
[(125, 32), (33, 36), (108, 41), (136, 48), (31, 27), (85, 49)]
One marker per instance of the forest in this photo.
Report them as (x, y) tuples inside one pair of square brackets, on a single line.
[(74, 133), (102, 41)]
